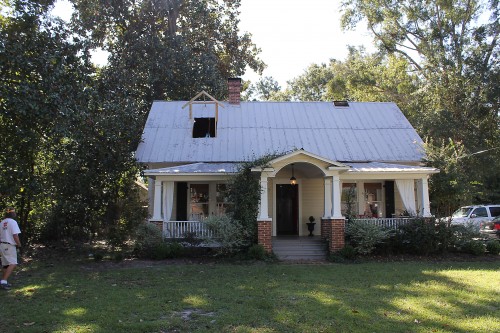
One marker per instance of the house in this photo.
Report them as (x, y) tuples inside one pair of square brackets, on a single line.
[(330, 149)]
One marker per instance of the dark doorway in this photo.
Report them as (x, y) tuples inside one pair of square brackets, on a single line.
[(181, 206), (287, 209), (390, 207)]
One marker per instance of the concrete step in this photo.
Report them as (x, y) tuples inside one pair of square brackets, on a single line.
[(299, 248)]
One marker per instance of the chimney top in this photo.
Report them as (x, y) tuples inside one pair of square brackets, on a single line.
[(234, 89)]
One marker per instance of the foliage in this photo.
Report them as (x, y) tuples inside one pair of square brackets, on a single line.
[(453, 49), (420, 236), (365, 236), (493, 247), (257, 252), (475, 247), (231, 235), (166, 250), (244, 194), (147, 239), (169, 50), (262, 90), (348, 252)]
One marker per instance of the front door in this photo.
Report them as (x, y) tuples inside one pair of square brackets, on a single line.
[(287, 209)]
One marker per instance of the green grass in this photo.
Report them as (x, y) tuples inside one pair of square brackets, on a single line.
[(222, 297)]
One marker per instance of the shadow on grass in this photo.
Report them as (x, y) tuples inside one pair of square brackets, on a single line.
[(368, 297)]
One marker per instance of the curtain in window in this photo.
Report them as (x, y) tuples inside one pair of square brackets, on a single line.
[(168, 200), (406, 189)]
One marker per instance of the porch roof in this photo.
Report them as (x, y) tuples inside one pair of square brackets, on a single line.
[(231, 168), (195, 168), (388, 167)]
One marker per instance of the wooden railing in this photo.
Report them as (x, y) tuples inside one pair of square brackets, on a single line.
[(181, 229), (390, 223)]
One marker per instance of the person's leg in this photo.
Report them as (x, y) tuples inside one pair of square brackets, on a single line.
[(7, 271)]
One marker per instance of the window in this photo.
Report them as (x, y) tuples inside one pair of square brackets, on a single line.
[(495, 211), (480, 212), (373, 200), (199, 201), (222, 199), (204, 128), (349, 199)]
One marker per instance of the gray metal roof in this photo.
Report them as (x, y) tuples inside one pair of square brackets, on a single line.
[(360, 132)]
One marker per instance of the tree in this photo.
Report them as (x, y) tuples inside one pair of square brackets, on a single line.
[(453, 48), (169, 49), (44, 79), (262, 90)]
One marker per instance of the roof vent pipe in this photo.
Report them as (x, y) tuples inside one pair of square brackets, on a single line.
[(234, 89)]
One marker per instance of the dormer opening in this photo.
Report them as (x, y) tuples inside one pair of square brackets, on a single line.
[(204, 128)]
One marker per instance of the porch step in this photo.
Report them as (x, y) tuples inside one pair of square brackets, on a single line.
[(299, 248)]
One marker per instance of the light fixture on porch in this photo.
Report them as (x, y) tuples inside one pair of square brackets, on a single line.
[(293, 180)]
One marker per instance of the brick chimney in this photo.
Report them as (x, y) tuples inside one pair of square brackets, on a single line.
[(234, 87)]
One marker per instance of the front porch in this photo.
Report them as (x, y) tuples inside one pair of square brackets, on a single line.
[(326, 191)]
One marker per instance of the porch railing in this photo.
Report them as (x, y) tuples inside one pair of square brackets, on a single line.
[(181, 229), (390, 223)]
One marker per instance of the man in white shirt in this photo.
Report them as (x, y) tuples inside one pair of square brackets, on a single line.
[(9, 240)]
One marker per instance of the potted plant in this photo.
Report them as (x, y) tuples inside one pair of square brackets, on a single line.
[(310, 225)]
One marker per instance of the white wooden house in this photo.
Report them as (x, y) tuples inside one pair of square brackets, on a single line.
[(330, 148)]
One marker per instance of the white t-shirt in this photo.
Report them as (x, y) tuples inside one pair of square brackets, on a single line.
[(9, 228)]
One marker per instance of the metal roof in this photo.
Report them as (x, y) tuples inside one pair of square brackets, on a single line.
[(359, 132)]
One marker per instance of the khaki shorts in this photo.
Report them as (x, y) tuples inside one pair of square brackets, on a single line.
[(9, 254)]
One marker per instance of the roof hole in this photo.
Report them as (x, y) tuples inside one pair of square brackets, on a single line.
[(341, 103)]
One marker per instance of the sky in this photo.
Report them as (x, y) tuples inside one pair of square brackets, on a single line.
[(292, 34)]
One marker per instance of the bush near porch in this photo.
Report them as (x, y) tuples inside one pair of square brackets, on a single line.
[(420, 236)]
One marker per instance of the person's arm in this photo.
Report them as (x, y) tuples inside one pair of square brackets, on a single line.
[(18, 241)]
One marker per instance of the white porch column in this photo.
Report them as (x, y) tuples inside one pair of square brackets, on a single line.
[(157, 201), (360, 186), (423, 197), (263, 205), (336, 198), (328, 197)]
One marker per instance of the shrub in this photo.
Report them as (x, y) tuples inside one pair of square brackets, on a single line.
[(347, 253), (257, 252), (118, 256), (148, 237), (425, 236), (98, 257), (475, 247), (365, 236), (166, 250), (493, 247), (230, 235), (463, 235)]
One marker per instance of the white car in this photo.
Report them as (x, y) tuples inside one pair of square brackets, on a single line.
[(475, 215)]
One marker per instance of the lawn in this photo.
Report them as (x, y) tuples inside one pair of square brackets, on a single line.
[(87, 296)]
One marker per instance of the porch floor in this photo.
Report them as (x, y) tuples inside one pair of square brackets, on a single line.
[(299, 248)]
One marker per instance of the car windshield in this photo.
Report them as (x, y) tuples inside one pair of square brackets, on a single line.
[(462, 212)]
